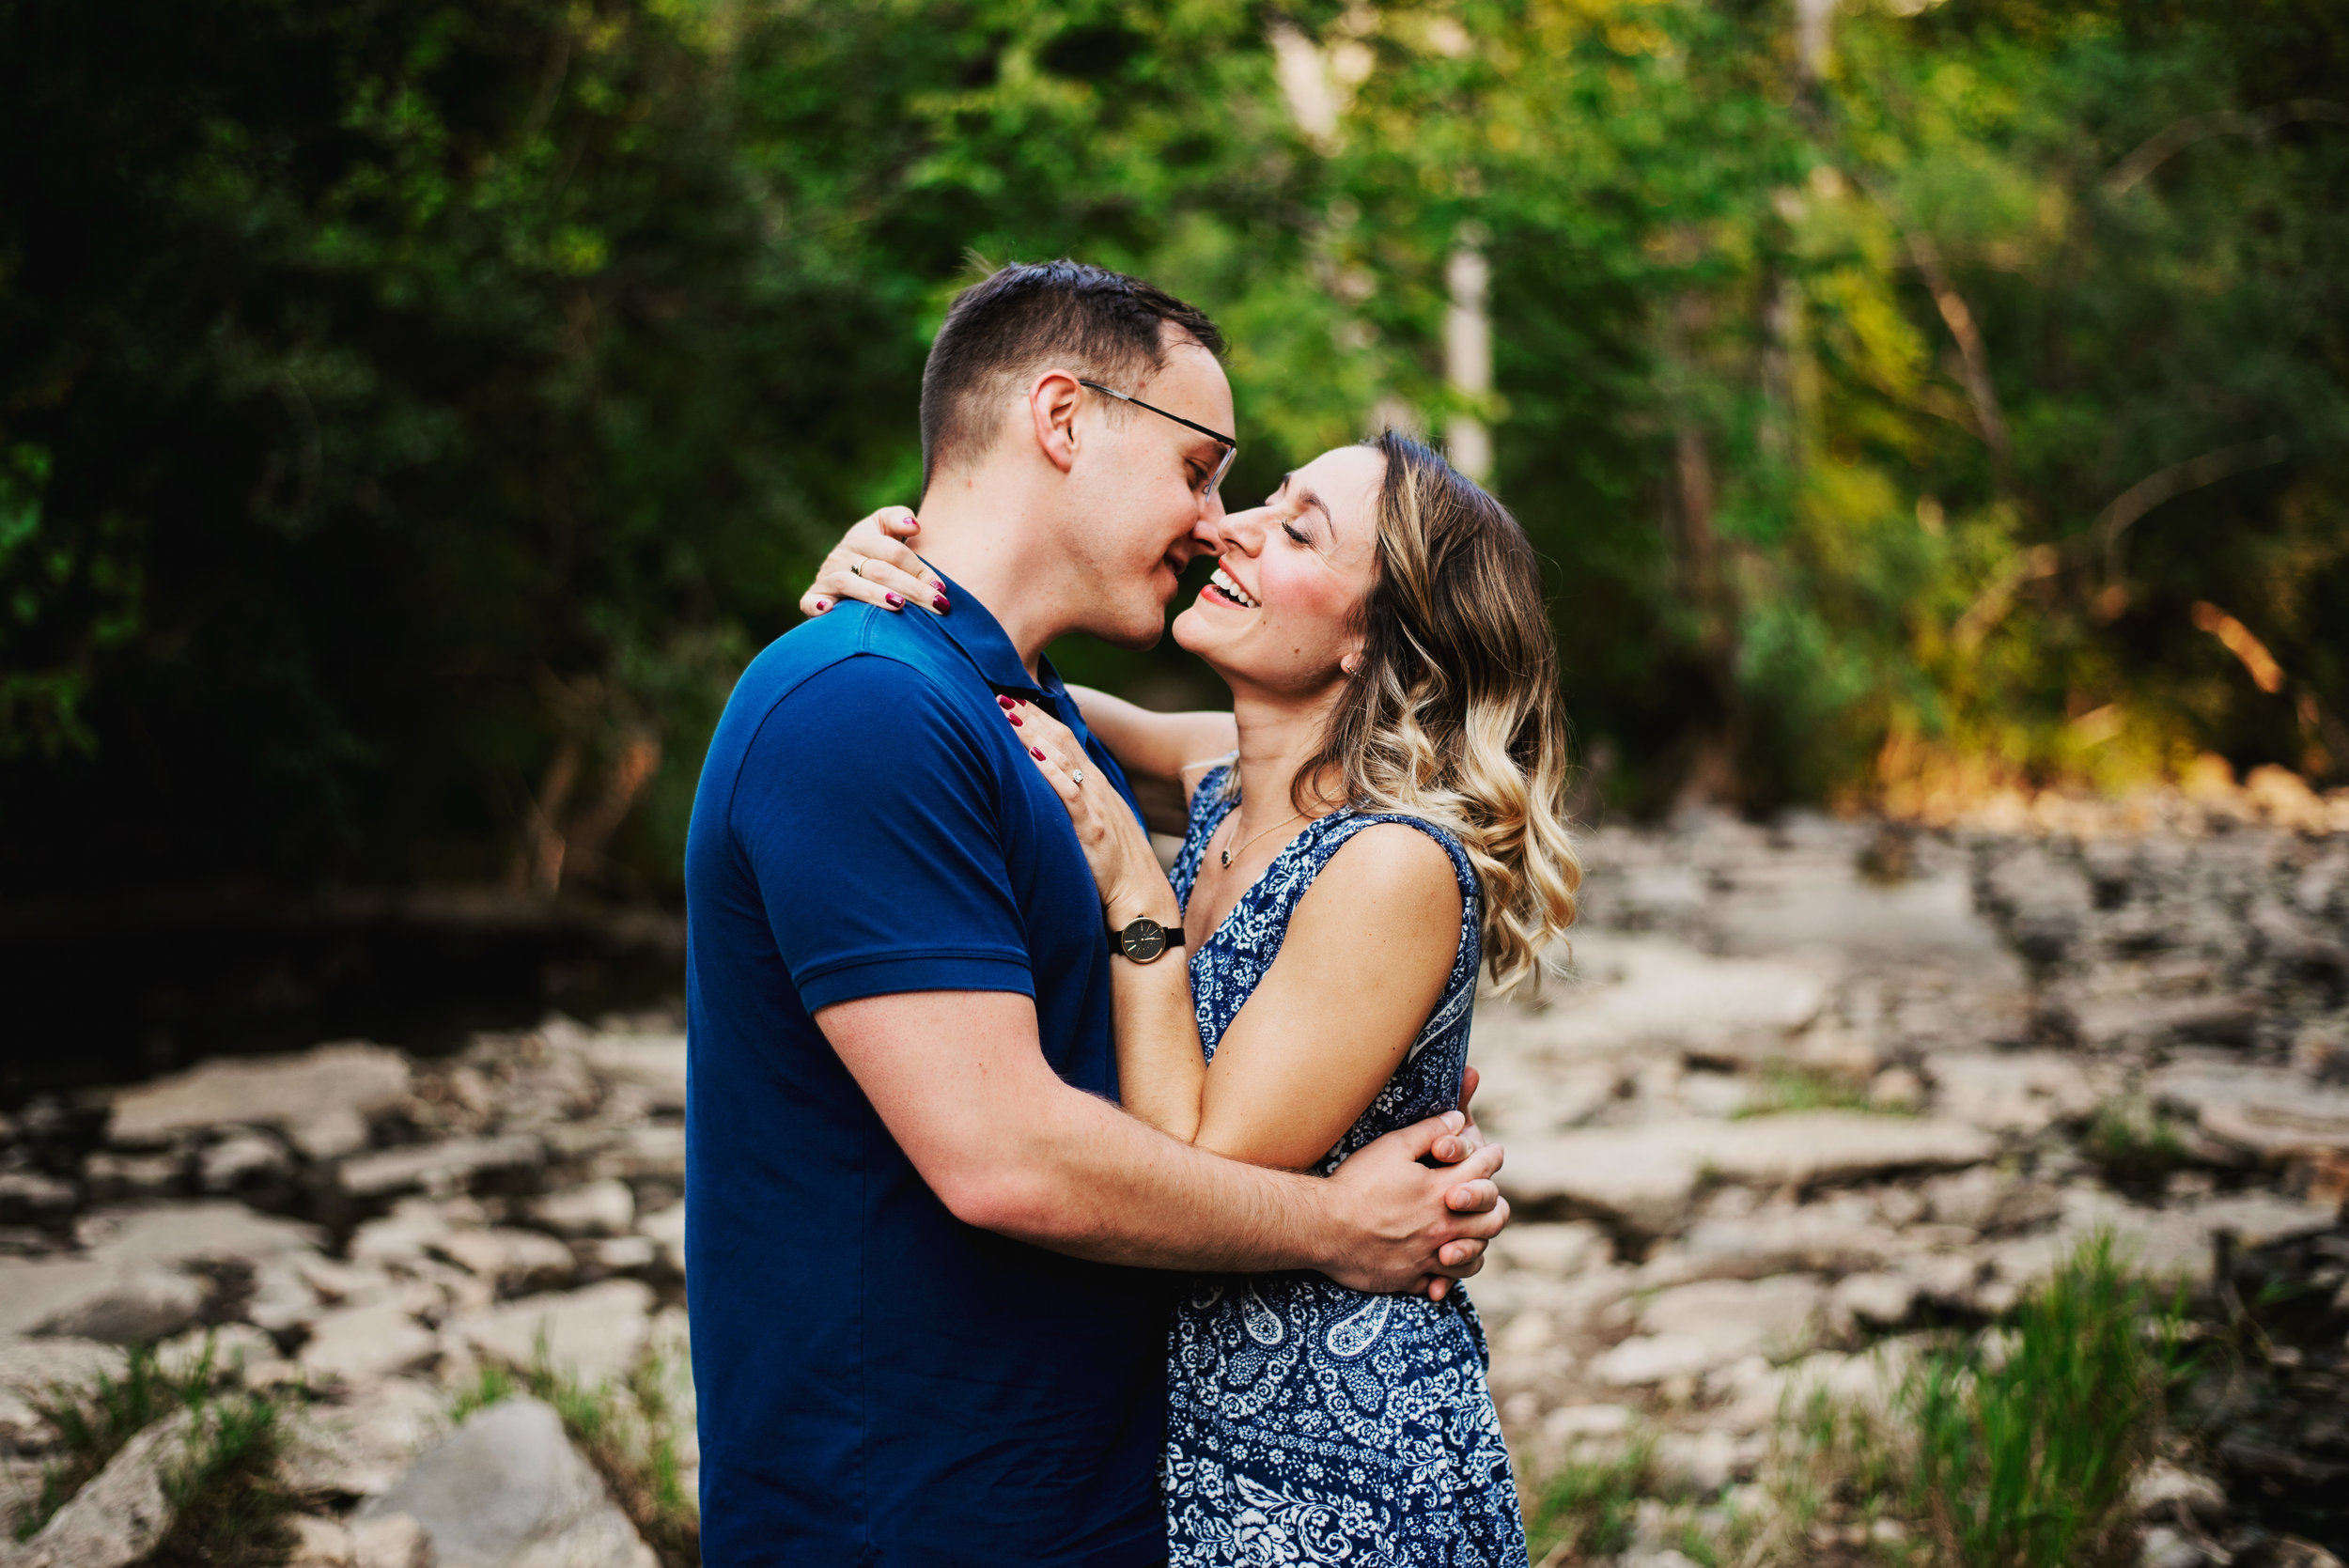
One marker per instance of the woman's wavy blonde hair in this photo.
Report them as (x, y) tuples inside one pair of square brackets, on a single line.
[(1454, 713)]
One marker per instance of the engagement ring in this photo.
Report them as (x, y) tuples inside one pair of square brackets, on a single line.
[(1078, 777)]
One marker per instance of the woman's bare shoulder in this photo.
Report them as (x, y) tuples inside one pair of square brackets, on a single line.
[(1389, 878)]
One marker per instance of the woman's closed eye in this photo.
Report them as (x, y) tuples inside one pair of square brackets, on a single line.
[(1296, 533)]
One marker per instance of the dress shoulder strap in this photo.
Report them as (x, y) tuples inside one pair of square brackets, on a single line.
[(1346, 824)]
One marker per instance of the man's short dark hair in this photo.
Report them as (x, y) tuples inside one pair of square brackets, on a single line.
[(1031, 315)]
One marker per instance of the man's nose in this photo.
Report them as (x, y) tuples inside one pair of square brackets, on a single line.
[(1207, 534)]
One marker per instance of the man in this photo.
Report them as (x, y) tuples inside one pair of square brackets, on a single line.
[(919, 1230)]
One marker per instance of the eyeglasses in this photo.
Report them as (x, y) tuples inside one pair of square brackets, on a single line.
[(1231, 447)]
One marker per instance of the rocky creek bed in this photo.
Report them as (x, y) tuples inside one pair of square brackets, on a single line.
[(1805, 1099)]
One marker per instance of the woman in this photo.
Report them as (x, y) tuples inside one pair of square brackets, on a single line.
[(1385, 809)]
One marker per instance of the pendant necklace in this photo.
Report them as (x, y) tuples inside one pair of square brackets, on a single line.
[(1253, 837)]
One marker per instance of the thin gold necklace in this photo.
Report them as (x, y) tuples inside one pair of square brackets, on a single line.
[(1253, 837)]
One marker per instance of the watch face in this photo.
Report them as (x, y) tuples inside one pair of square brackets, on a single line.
[(1143, 940)]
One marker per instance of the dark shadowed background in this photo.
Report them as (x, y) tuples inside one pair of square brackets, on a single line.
[(412, 414)]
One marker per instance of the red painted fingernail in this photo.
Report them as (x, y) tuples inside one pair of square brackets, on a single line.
[(1013, 717), (1034, 752), (1004, 702), (822, 605), (940, 601), (894, 601)]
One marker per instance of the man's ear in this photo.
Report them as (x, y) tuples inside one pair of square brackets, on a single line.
[(1053, 400)]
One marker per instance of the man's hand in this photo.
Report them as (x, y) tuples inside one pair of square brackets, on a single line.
[(1453, 1147), (1397, 1219), (1450, 1149)]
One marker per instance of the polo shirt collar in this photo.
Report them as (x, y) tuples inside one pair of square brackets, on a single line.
[(973, 628)]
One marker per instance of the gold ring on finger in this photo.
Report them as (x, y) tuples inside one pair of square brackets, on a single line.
[(857, 570)]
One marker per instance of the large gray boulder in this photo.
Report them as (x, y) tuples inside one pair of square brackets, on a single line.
[(507, 1490)]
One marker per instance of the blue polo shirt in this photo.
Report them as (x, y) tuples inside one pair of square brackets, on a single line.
[(881, 1384)]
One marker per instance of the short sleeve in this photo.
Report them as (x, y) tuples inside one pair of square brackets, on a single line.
[(867, 813)]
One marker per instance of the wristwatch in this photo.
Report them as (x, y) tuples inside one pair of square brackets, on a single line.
[(1144, 939)]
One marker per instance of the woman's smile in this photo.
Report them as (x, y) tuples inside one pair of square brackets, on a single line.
[(1224, 588)]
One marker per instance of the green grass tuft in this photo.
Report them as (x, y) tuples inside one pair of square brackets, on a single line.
[(93, 1424), (2135, 1145), (227, 1509), (1585, 1508), (1784, 1087), (2016, 1449), (231, 1511), (2027, 1463)]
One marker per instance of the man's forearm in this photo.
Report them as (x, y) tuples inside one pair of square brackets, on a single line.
[(1008, 1146)]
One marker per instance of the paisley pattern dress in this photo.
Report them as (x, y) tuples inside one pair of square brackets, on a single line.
[(1307, 1422)]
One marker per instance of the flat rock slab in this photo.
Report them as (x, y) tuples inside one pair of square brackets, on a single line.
[(128, 1288), (512, 1260), (1646, 1175), (448, 1164), (1558, 1252), (507, 1490), (1987, 1200), (651, 1062), (1819, 900), (2019, 1092), (360, 1343), (1740, 1315), (1694, 1329), (1639, 989), (598, 1333), (331, 1081), (2274, 1113), (1756, 1246), (1804, 1147), (597, 1208), (2164, 1244), (173, 1234), (93, 1299), (362, 1447), (2109, 1020), (122, 1515)]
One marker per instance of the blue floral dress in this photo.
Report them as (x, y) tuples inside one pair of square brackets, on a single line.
[(1307, 1422)]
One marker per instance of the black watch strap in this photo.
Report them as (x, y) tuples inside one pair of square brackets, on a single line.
[(1144, 939)]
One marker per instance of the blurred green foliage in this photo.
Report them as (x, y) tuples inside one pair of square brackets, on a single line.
[(412, 415)]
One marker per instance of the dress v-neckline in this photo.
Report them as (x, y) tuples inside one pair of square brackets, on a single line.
[(1271, 866)]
